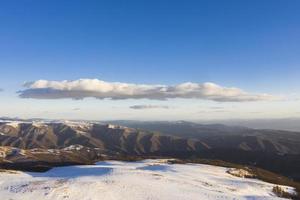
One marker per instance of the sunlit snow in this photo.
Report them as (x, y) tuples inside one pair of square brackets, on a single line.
[(149, 179)]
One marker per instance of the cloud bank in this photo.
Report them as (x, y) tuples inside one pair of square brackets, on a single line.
[(83, 88), (141, 107)]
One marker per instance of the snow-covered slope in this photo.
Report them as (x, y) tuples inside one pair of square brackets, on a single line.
[(149, 179)]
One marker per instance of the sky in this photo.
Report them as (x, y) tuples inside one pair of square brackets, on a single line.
[(150, 60)]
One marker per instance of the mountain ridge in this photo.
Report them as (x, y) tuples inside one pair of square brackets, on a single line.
[(109, 137)]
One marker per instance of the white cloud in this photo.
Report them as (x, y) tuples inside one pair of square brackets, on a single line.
[(83, 88), (140, 107)]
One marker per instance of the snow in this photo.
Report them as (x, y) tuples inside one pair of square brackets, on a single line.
[(38, 124), (76, 147), (14, 124), (149, 180), (76, 124), (2, 154), (112, 126)]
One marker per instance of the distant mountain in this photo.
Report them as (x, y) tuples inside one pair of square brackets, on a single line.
[(289, 124), (109, 138), (136, 137), (277, 151), (222, 136)]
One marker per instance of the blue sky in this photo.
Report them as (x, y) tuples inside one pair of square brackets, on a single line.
[(251, 45)]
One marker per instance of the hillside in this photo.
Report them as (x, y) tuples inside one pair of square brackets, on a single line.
[(222, 136), (149, 179), (109, 138)]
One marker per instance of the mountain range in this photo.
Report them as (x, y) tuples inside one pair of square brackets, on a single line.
[(274, 150)]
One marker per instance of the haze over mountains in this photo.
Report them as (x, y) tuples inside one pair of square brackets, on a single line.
[(274, 150), (222, 136), (289, 124), (135, 137)]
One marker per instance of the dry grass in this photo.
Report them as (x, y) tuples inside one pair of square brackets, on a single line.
[(243, 173), (8, 171), (282, 193)]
